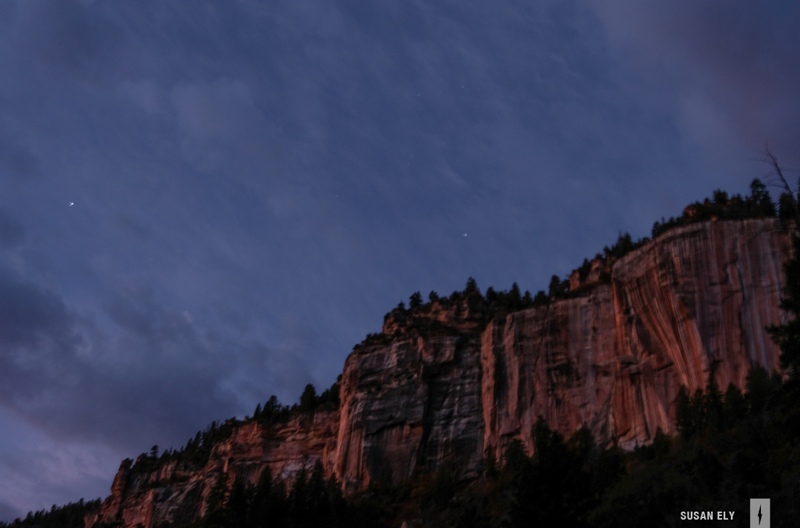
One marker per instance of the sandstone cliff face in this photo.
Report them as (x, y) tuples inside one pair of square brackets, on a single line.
[(690, 304), (557, 361), (693, 303), (415, 401), (178, 492), (443, 385)]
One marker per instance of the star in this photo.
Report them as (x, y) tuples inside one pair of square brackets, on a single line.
[(71, 204)]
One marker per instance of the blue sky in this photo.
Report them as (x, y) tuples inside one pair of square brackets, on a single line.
[(254, 184)]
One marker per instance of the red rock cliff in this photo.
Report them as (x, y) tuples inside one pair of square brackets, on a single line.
[(413, 401), (443, 384), (692, 303), (442, 390), (178, 491)]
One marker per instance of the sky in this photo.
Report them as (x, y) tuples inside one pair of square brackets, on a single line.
[(206, 203)]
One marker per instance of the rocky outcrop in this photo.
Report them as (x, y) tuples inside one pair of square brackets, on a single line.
[(447, 382), (178, 491)]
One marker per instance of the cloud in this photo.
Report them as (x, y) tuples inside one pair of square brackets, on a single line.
[(17, 160), (12, 233), (736, 59), (158, 376), (146, 94), (70, 37), (223, 129), (31, 318), (9, 512), (39, 471)]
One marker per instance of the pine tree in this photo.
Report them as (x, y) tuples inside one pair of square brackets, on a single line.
[(416, 300), (713, 403), (759, 199), (734, 408), (527, 300), (216, 514), (298, 500), (787, 335), (557, 287), (308, 400), (238, 504), (472, 287), (319, 506), (684, 421), (514, 297)]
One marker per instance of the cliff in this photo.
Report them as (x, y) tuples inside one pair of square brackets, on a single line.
[(178, 491), (414, 401), (691, 304), (449, 381)]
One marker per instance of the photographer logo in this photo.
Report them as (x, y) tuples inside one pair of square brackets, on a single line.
[(759, 513)]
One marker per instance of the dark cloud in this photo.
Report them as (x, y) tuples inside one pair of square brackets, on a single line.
[(40, 471), (162, 377), (8, 512), (38, 340), (32, 318), (730, 68)]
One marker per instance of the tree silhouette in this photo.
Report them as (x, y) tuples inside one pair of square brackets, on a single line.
[(308, 400), (416, 300)]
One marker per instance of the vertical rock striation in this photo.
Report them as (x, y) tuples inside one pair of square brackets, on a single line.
[(692, 303), (413, 401), (447, 382), (557, 361)]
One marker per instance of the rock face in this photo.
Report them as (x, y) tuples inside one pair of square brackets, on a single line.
[(413, 401), (691, 304), (178, 492), (444, 384)]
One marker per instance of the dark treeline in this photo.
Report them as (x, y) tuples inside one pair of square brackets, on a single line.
[(495, 303), (758, 204), (730, 447), (198, 449), (66, 516), (195, 453), (312, 501)]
